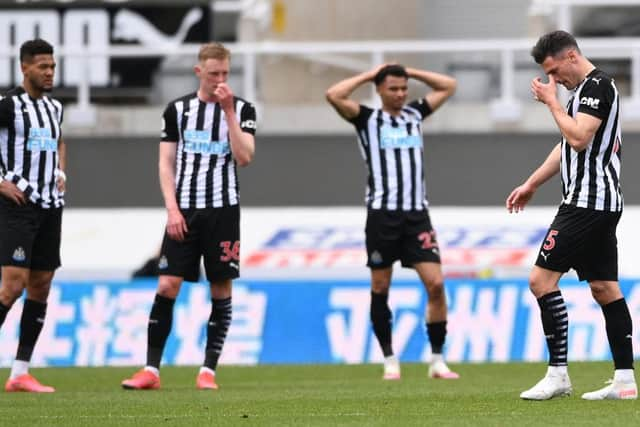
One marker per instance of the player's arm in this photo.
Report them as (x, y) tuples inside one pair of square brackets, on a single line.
[(339, 94), (176, 224), (578, 131), (442, 86), (7, 188), (242, 143), (61, 178), (522, 194)]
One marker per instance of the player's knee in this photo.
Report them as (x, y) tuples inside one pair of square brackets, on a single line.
[(169, 286), (11, 289), (380, 286), (603, 293), (435, 289)]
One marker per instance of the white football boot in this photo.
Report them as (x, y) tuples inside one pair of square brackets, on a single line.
[(555, 383), (439, 369), (391, 368), (621, 387)]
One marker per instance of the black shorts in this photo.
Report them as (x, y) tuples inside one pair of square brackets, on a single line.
[(29, 236), (582, 239), (407, 236), (213, 233)]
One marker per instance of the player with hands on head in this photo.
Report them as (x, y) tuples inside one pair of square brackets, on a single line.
[(398, 225)]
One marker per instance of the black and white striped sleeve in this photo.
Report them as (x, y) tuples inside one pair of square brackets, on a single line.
[(422, 107), (596, 98), (170, 131), (248, 118)]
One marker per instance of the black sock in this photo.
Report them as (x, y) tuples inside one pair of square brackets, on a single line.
[(4, 310), (31, 323), (217, 328), (158, 330), (555, 323), (437, 331), (381, 320), (619, 332)]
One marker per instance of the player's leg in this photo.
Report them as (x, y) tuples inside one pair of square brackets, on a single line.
[(421, 252), (14, 280), (31, 323), (619, 333), (220, 244), (18, 229), (382, 319), (383, 233), (563, 248), (601, 270), (217, 328), (45, 259), (430, 274), (555, 323), (179, 261)]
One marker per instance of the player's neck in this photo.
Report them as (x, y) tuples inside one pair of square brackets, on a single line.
[(392, 111), (31, 91), (202, 96), (586, 68)]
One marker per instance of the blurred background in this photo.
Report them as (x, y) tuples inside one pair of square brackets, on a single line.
[(121, 61)]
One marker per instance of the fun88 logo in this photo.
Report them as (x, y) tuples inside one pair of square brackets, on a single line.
[(199, 142), (40, 140), (398, 138)]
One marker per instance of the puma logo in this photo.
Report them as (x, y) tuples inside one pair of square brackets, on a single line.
[(131, 26)]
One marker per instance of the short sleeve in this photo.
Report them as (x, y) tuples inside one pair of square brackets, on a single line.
[(596, 98), (6, 112), (361, 119), (248, 118), (422, 106), (170, 131)]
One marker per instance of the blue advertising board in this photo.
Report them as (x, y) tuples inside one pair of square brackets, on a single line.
[(307, 321)]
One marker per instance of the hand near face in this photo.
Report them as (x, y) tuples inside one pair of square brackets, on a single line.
[(224, 94), (544, 92)]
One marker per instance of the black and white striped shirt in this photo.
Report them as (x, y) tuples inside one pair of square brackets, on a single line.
[(205, 168), (393, 150), (591, 178), (29, 135)]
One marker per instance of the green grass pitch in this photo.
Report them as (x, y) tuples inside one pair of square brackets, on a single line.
[(331, 395)]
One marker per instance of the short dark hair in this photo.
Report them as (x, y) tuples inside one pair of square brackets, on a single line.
[(390, 70), (552, 44), (31, 48)]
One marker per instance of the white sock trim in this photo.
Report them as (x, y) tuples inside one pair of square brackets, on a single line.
[(557, 370), (153, 370), (624, 375), (18, 368), (205, 369), (437, 357)]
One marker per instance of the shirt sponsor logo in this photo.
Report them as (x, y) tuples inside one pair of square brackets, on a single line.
[(40, 140), (391, 138), (590, 102), (199, 142)]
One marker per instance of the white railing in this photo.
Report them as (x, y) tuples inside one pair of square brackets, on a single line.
[(563, 9), (508, 105)]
